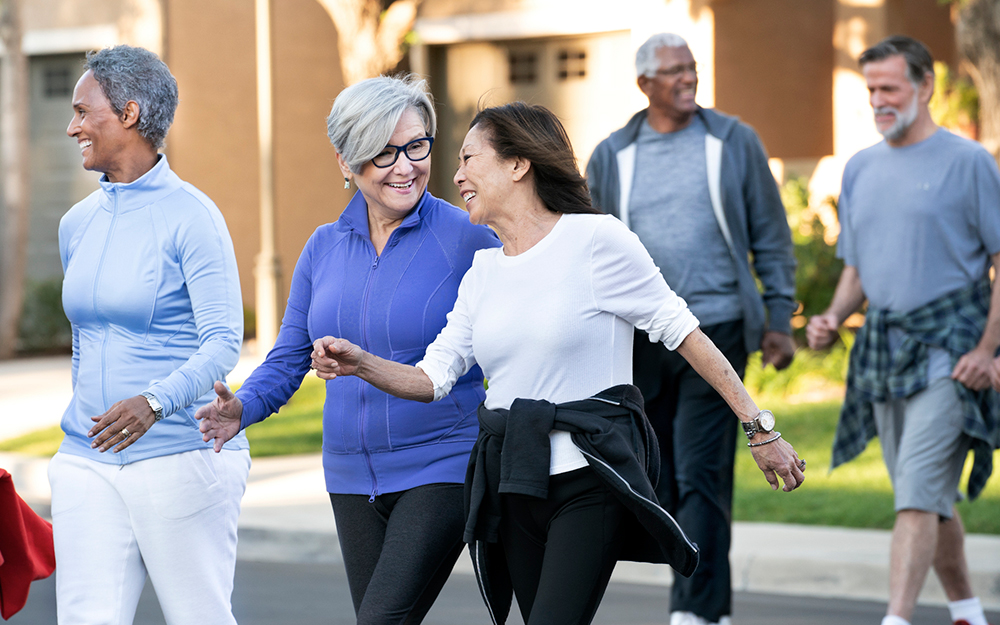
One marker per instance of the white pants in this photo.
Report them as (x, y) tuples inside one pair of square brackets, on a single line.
[(173, 517)]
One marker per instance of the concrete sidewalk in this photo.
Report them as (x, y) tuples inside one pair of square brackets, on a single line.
[(287, 516)]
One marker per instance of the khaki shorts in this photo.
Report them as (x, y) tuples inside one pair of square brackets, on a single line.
[(924, 448)]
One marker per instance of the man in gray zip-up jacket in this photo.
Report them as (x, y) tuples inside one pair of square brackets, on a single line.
[(695, 186)]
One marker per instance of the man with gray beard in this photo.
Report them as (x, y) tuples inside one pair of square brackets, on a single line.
[(920, 227)]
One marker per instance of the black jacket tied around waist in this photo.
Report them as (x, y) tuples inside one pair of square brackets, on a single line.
[(511, 455)]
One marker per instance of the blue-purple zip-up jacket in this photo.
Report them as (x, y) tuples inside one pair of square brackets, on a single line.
[(153, 294), (394, 306)]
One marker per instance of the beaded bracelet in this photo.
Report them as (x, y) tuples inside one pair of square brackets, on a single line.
[(777, 435)]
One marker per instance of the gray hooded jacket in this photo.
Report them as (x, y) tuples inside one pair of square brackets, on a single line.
[(746, 203)]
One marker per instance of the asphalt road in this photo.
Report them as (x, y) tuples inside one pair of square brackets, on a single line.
[(306, 594)]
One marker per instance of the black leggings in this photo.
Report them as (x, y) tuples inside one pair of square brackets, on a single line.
[(562, 550), (399, 549)]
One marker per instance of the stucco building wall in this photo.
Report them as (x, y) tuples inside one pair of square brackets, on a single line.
[(213, 144)]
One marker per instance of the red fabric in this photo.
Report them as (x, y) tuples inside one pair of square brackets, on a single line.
[(26, 551)]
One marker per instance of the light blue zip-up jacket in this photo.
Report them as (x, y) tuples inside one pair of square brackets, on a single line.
[(153, 294)]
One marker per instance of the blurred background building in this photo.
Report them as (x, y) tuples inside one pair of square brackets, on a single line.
[(787, 67)]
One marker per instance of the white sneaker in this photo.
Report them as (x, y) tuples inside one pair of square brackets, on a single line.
[(690, 618), (686, 618)]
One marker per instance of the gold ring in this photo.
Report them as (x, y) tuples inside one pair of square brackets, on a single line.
[(125, 432)]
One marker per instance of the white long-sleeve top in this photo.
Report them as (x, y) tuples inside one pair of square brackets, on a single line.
[(555, 322)]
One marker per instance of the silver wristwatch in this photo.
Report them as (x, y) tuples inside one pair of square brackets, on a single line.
[(155, 405), (763, 422)]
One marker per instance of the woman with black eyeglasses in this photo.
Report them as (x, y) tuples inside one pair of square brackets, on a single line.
[(384, 274)]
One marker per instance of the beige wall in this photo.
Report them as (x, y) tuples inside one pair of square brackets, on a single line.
[(590, 107), (58, 26), (309, 187), (773, 62), (449, 8), (926, 20), (213, 144)]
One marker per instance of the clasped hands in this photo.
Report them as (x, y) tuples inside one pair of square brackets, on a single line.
[(221, 419), (332, 357)]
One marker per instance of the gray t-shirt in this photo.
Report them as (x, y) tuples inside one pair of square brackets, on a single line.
[(919, 222), (671, 212)]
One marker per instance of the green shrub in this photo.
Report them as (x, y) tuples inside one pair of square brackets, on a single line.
[(249, 322), (810, 373), (818, 268), (955, 103)]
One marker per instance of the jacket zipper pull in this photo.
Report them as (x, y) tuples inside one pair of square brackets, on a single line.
[(372, 498)]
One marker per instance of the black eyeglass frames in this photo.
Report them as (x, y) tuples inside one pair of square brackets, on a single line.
[(416, 150)]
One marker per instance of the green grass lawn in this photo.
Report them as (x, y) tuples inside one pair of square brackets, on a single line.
[(296, 429), (44, 442), (857, 494)]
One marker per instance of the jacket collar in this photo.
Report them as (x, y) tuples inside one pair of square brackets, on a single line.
[(718, 124), (153, 185), (355, 215)]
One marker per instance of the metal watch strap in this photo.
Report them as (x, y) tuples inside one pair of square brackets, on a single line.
[(753, 427), (154, 405)]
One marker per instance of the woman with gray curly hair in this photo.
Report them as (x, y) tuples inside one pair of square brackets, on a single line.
[(152, 291), (386, 273)]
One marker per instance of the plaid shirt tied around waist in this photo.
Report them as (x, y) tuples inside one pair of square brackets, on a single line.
[(954, 322)]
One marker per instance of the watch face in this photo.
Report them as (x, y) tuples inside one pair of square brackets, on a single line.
[(766, 420)]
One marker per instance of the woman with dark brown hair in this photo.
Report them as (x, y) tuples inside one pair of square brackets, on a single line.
[(549, 318)]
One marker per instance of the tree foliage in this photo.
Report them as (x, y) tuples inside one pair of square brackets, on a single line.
[(14, 164), (977, 31), (955, 104), (370, 34)]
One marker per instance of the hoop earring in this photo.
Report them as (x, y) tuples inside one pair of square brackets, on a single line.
[(347, 183)]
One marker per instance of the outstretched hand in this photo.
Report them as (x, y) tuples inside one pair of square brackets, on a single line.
[(221, 418), (332, 357), (778, 459)]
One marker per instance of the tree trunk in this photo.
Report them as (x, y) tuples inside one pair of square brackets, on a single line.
[(978, 33), (370, 40), (14, 162)]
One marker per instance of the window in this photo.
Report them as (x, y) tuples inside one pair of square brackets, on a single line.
[(57, 82), (572, 64), (523, 67)]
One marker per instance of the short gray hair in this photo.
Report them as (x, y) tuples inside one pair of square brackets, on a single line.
[(919, 61), (365, 115), (646, 62), (133, 74)]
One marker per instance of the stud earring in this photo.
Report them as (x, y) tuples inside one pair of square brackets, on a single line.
[(347, 183)]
